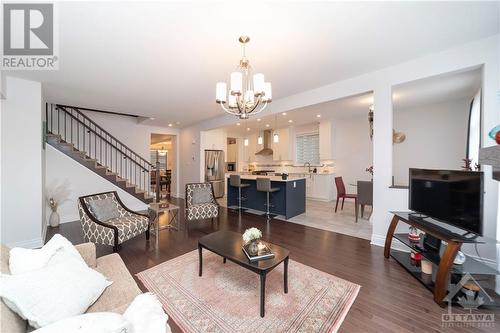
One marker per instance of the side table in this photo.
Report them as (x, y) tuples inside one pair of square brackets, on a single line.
[(173, 217)]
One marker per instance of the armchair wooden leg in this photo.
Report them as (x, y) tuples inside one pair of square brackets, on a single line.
[(342, 208), (116, 248), (147, 234), (337, 204)]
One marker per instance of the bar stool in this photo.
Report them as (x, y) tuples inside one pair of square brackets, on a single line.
[(264, 185), (235, 181)]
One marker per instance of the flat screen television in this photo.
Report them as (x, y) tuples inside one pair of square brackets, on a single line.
[(449, 196)]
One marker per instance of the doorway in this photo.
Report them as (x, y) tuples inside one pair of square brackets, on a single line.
[(163, 161)]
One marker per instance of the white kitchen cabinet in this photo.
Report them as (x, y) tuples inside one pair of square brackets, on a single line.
[(232, 152), (326, 140), (320, 187)]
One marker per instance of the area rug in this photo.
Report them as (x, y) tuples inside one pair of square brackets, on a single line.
[(226, 297)]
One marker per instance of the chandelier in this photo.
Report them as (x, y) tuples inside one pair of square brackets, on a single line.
[(246, 96)]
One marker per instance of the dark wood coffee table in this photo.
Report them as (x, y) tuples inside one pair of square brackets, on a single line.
[(228, 245)]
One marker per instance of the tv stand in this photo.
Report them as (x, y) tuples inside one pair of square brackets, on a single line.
[(444, 262)]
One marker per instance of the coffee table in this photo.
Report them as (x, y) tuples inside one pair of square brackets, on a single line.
[(228, 245)]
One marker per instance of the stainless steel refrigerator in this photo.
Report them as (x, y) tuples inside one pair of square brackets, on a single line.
[(214, 170)]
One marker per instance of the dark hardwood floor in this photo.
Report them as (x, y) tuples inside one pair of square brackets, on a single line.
[(390, 300)]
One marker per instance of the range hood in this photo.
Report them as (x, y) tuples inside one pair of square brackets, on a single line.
[(266, 151)]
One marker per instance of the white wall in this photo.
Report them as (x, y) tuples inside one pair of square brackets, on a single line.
[(353, 150), (436, 137), (67, 180), (136, 136), (21, 175), (480, 52)]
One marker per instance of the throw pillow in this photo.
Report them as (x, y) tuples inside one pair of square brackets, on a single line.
[(97, 322), (202, 195), (146, 315), (65, 287), (104, 209), (24, 260)]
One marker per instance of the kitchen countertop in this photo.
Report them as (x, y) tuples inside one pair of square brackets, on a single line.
[(273, 178), (312, 173)]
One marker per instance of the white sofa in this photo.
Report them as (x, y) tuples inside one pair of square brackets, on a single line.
[(115, 298)]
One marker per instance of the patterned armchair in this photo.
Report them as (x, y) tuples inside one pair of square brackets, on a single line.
[(200, 202), (105, 220)]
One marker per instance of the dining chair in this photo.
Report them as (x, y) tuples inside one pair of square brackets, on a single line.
[(341, 194), (365, 195)]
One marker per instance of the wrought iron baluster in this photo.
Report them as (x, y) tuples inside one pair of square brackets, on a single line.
[(65, 137)]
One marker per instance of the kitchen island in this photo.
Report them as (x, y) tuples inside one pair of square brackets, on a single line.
[(289, 201)]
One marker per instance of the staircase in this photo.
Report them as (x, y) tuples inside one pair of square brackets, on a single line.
[(77, 136)]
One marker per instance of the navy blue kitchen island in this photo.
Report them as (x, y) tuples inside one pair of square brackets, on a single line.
[(289, 201)]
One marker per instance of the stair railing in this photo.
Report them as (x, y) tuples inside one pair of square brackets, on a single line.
[(86, 136)]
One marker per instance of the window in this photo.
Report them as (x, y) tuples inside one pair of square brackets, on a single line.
[(308, 148)]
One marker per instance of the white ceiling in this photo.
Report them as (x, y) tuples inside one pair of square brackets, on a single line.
[(162, 59), (437, 89)]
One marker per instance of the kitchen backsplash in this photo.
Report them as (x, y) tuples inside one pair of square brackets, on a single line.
[(288, 167)]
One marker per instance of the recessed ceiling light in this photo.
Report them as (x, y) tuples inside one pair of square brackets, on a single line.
[(267, 125), (238, 124), (248, 128), (318, 116), (258, 119), (290, 121), (284, 113), (170, 125)]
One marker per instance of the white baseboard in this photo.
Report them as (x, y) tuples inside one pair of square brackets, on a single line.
[(379, 240), (490, 262), (28, 244)]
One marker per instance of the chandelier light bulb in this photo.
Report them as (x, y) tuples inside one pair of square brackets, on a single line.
[(220, 92), (236, 83), (268, 93), (258, 83), (232, 101)]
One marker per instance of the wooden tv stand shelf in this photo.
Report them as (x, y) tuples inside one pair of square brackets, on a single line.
[(444, 263)]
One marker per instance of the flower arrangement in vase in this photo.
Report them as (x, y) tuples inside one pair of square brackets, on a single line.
[(251, 237), (54, 218), (56, 194)]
